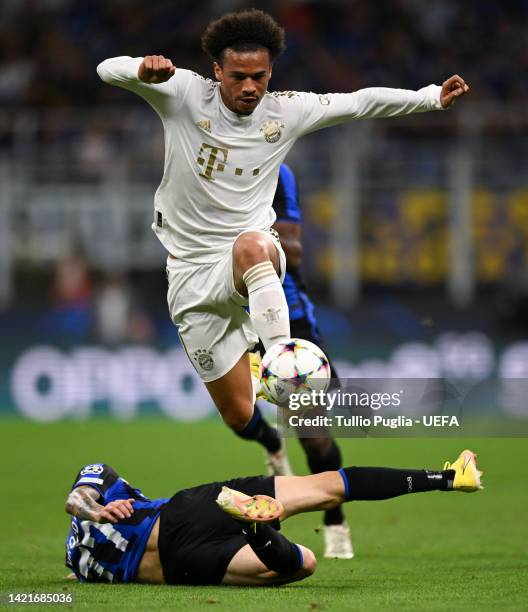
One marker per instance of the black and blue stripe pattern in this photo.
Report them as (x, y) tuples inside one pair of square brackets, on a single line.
[(108, 552), (287, 209)]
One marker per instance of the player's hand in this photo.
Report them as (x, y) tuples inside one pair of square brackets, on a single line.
[(155, 69), (452, 89), (116, 511)]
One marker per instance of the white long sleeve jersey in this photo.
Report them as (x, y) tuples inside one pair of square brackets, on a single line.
[(221, 169)]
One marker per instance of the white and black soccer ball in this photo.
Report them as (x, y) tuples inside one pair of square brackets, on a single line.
[(295, 366)]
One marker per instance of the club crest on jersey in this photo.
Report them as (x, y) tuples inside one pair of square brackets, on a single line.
[(272, 131), (204, 124), (272, 315), (204, 358), (92, 469), (324, 100)]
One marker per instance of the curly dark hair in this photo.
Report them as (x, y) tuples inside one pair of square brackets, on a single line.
[(243, 31)]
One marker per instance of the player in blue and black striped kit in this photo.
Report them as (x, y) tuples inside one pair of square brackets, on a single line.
[(224, 532), (96, 550), (322, 453)]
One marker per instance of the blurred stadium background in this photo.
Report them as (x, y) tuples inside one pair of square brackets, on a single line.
[(416, 229), (416, 252)]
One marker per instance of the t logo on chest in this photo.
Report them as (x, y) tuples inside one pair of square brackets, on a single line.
[(214, 159), (209, 164)]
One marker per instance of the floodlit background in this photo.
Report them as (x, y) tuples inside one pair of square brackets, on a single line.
[(416, 229)]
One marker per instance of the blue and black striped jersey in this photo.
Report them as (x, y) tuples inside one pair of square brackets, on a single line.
[(286, 206), (106, 552)]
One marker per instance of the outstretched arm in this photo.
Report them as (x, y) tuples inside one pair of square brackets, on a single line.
[(320, 111), (135, 72), (153, 77), (82, 503)]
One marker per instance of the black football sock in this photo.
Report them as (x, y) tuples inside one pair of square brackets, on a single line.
[(325, 463), (384, 483), (272, 548), (261, 431)]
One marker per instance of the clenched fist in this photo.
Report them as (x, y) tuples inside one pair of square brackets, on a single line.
[(452, 89), (155, 69)]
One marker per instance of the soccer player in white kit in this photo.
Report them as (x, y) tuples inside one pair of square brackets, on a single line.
[(224, 143)]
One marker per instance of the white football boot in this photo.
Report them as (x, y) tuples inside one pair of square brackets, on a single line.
[(278, 463), (338, 543)]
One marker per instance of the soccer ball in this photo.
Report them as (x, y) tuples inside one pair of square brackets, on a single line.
[(295, 366)]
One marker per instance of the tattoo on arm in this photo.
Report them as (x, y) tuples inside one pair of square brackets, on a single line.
[(82, 503)]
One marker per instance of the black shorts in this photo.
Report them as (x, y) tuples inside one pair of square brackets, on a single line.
[(197, 540)]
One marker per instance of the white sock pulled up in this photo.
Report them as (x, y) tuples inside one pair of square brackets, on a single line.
[(268, 308)]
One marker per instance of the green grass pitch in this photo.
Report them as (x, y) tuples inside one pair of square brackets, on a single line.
[(419, 552)]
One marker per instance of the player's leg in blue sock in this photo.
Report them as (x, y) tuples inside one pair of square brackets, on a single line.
[(261, 431), (233, 396), (329, 489)]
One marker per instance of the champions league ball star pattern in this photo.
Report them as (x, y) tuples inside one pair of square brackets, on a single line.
[(296, 366)]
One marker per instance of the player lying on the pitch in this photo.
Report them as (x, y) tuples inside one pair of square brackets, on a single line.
[(223, 532)]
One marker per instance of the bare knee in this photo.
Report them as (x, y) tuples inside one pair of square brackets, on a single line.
[(237, 420), (250, 249), (309, 561)]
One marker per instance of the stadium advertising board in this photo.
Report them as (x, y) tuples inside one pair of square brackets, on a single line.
[(46, 382)]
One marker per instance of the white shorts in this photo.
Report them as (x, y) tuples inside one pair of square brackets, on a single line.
[(213, 324)]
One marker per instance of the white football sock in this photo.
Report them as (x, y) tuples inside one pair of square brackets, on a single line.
[(268, 308)]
